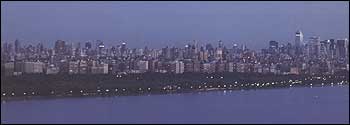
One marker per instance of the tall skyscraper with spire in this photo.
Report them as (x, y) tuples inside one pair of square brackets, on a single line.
[(299, 42)]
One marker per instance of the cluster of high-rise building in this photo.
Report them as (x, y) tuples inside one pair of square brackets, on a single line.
[(303, 56)]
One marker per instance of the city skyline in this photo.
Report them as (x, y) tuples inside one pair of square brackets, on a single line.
[(208, 22), (310, 56), (299, 40)]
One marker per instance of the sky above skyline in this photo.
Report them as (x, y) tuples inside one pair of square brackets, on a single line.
[(158, 24)]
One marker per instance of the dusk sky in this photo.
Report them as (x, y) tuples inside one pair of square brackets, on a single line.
[(157, 24)]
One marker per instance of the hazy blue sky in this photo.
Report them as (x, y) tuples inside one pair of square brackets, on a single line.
[(172, 23)]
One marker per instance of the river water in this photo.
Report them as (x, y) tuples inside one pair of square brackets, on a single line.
[(289, 105)]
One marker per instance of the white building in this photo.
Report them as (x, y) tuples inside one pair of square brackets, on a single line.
[(51, 69), (294, 70), (100, 69), (73, 67), (230, 66), (142, 66), (180, 67), (33, 67), (9, 68), (240, 67), (206, 67)]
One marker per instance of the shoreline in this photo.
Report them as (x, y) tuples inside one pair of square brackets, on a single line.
[(30, 98), (29, 87)]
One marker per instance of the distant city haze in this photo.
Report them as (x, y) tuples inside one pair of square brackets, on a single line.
[(158, 24)]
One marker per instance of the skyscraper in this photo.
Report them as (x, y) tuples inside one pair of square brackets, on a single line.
[(60, 47), (123, 49), (39, 48), (332, 48), (315, 47), (324, 49), (166, 53), (273, 46), (88, 45), (220, 44), (101, 47), (17, 46), (219, 51), (341, 48), (299, 43)]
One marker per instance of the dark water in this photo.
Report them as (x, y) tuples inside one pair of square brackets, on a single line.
[(291, 105)]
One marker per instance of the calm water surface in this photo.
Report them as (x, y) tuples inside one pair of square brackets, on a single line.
[(291, 105)]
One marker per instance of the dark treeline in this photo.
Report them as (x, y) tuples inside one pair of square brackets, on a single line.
[(44, 84)]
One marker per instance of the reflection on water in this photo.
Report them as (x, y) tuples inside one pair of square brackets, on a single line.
[(292, 105)]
